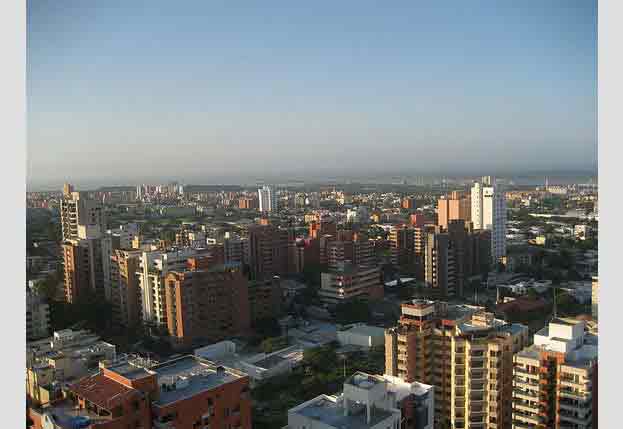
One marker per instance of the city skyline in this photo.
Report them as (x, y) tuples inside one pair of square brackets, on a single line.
[(220, 94)]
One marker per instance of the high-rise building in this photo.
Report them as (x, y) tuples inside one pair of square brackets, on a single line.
[(453, 207), (265, 299), (268, 251), (349, 282), (77, 210), (267, 199), (234, 249), (247, 203), (356, 249), (555, 379), (206, 305), (86, 261), (368, 401), (452, 256), (125, 291), (401, 244), (439, 264), (465, 353), (152, 268), (488, 211)]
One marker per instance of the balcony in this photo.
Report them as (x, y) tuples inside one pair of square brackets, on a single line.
[(573, 395), (525, 394), (530, 418)]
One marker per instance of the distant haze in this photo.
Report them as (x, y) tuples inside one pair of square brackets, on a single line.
[(226, 92)]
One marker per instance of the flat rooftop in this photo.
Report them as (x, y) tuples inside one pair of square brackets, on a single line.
[(364, 330), (363, 380), (270, 361), (583, 358), (200, 374), (331, 413), (130, 371)]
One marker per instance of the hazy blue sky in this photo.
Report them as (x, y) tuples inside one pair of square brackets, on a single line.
[(204, 91)]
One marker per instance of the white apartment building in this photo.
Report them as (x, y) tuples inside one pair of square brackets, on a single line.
[(368, 401), (489, 212), (555, 379), (153, 267), (267, 198)]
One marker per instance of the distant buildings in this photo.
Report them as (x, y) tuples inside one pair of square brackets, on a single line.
[(267, 199), (368, 401), (488, 211), (453, 207), (464, 352), (555, 379), (247, 203)]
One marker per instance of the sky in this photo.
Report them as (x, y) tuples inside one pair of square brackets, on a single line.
[(125, 92)]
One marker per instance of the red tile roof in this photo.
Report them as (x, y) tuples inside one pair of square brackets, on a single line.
[(102, 391)]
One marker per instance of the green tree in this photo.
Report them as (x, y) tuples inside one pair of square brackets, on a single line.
[(47, 287)]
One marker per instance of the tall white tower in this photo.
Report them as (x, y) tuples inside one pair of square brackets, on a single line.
[(267, 198), (489, 212)]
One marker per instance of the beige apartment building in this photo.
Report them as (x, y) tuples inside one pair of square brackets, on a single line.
[(79, 210), (555, 379), (465, 353), (453, 207), (125, 292)]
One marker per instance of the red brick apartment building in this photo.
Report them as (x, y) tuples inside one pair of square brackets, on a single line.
[(184, 393), (206, 305)]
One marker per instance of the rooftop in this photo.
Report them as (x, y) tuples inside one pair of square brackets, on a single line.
[(187, 376), (101, 390), (363, 380), (363, 329), (66, 415), (329, 411), (270, 361), (130, 370)]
